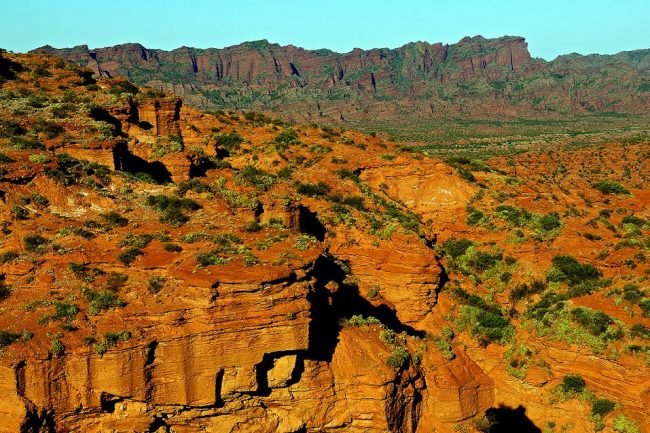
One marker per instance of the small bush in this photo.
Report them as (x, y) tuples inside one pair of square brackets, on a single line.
[(84, 272), (454, 248), (123, 86), (48, 128), (623, 424), (173, 248), (8, 256), (156, 284), (5, 290), (313, 189), (286, 137), (172, 208), (127, 257), (610, 187), (632, 293), (109, 340), (24, 144), (639, 330), (634, 220), (255, 177), (114, 219), (71, 171), (567, 269), (525, 290), (192, 185), (211, 258), (602, 407), (19, 213), (101, 300), (573, 383), (229, 141), (594, 321), (4, 159), (7, 338), (35, 243)]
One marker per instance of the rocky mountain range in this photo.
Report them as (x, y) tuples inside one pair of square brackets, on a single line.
[(476, 77)]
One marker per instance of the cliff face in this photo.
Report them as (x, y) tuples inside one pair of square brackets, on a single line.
[(476, 77), (167, 270)]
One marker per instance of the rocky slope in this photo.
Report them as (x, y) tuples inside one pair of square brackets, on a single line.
[(475, 77), (167, 270)]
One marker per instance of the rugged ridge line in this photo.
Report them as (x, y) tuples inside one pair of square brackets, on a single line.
[(474, 77)]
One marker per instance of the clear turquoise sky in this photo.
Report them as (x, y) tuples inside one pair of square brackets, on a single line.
[(552, 27)]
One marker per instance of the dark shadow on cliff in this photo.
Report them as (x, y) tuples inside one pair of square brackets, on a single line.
[(505, 419), (154, 171), (335, 298), (102, 115), (309, 223)]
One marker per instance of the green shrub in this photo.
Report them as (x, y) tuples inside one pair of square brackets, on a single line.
[(57, 348), (360, 320), (192, 185), (255, 177), (634, 220), (639, 330), (486, 321), (610, 187), (48, 128), (101, 300), (173, 248), (481, 261), (474, 216), (454, 248), (644, 304), (229, 141), (253, 226), (63, 311), (8, 256), (525, 290), (140, 240), (623, 424), (156, 283), (109, 340), (7, 338), (5, 290), (19, 213), (35, 243), (127, 257), (211, 258), (516, 217), (313, 189), (172, 208), (567, 269), (632, 293), (602, 407), (123, 86), (83, 272), (348, 174), (549, 222), (573, 383), (594, 321), (286, 137), (71, 171), (25, 144), (114, 219), (304, 241), (9, 128)]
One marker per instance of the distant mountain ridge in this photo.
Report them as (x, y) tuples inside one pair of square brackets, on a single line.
[(476, 77)]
